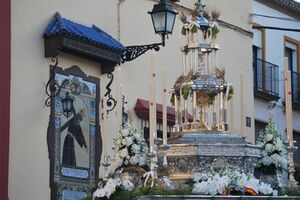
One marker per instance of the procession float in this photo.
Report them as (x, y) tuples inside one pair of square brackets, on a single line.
[(200, 157)]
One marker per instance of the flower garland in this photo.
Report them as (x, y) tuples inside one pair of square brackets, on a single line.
[(232, 182), (274, 154)]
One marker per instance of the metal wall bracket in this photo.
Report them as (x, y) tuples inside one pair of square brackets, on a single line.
[(132, 52), (111, 102), (52, 87)]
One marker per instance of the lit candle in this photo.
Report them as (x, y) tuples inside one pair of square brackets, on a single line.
[(164, 101)]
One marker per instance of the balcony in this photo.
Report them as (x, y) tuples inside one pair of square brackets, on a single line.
[(296, 90), (266, 80)]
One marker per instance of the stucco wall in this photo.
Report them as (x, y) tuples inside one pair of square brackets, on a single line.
[(275, 54), (29, 163)]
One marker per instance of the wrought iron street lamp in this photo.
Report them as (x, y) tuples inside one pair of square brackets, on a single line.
[(163, 19)]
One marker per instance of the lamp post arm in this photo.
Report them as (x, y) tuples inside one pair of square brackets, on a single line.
[(132, 52)]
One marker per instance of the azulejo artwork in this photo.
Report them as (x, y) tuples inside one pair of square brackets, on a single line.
[(75, 135)]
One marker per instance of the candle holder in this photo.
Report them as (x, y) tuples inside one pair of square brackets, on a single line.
[(106, 163), (291, 166)]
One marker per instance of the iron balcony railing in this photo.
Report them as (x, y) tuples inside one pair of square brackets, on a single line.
[(296, 87), (266, 79)]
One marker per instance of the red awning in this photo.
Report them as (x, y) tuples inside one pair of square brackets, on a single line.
[(142, 111)]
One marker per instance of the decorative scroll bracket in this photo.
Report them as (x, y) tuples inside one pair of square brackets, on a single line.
[(52, 87), (111, 102), (132, 52)]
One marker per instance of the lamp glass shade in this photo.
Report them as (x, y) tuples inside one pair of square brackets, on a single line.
[(163, 18), (170, 21), (159, 22)]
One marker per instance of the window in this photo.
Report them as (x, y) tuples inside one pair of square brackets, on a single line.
[(292, 52), (257, 52), (259, 44), (265, 74)]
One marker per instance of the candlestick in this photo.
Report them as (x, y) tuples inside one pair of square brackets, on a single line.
[(164, 101)]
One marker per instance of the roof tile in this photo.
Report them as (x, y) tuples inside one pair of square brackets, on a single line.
[(61, 26)]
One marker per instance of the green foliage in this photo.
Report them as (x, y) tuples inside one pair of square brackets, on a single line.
[(207, 33), (172, 100), (231, 93), (212, 98), (215, 30), (185, 91), (194, 29), (292, 191), (141, 191), (184, 31), (90, 197)]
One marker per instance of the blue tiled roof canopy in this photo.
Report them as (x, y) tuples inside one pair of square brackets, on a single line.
[(94, 35)]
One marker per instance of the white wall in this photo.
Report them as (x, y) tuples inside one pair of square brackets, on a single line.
[(275, 54), (29, 163)]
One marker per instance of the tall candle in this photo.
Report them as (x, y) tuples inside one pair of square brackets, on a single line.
[(104, 127), (118, 111), (288, 103), (221, 108), (164, 101), (176, 108), (183, 62), (153, 74), (150, 117), (242, 103), (194, 107), (231, 115)]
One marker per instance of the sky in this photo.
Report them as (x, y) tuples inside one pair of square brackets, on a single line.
[(297, 0)]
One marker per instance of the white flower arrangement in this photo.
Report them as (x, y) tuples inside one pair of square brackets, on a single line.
[(111, 186), (273, 151), (215, 183), (130, 148)]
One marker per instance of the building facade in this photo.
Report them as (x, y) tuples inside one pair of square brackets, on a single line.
[(27, 122), (278, 39)]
